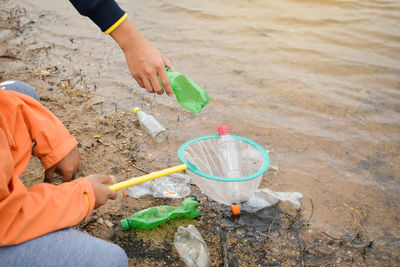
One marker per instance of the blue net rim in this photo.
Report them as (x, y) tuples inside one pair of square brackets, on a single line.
[(194, 169)]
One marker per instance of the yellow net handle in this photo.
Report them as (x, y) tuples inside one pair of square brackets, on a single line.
[(147, 177)]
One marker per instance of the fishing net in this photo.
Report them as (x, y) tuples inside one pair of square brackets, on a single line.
[(208, 168)]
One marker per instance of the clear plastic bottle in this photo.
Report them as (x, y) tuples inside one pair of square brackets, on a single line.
[(191, 247), (151, 125), (229, 152), (231, 157)]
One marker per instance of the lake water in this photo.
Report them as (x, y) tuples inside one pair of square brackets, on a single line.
[(317, 83)]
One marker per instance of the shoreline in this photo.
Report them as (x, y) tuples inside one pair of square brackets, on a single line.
[(70, 95)]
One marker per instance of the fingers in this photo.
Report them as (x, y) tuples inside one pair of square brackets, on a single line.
[(67, 174), (139, 80), (49, 174), (166, 62), (165, 81), (156, 85), (101, 191), (106, 179), (113, 194), (152, 84), (147, 85), (79, 167)]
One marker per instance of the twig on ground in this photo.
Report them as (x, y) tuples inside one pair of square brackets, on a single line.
[(312, 211), (137, 168), (224, 249)]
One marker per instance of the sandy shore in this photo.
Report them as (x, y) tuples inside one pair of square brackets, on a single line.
[(112, 143)]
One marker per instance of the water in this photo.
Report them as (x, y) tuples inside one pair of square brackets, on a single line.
[(315, 82)]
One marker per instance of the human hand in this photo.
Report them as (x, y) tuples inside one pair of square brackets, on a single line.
[(101, 192), (67, 167), (145, 62)]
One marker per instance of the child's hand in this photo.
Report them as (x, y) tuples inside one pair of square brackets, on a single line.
[(101, 192), (67, 167)]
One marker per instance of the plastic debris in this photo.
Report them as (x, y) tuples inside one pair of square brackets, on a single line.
[(191, 247), (265, 197), (230, 153), (154, 216), (235, 209), (151, 125), (176, 185), (188, 93)]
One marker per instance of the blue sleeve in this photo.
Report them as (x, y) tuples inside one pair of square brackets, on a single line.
[(104, 13)]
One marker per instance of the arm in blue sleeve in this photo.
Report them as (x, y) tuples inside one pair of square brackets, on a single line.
[(104, 13)]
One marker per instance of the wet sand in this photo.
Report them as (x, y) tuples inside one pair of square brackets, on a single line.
[(351, 205)]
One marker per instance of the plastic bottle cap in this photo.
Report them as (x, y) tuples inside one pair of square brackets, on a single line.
[(223, 130), (235, 209), (125, 224), (136, 110)]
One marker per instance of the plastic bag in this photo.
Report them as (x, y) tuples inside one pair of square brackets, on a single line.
[(175, 185), (265, 197), (191, 247), (188, 93), (140, 190), (172, 186), (154, 216)]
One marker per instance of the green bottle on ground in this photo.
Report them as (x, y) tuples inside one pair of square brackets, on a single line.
[(188, 93), (154, 216)]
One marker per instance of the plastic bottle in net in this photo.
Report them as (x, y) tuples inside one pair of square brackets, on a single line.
[(232, 162), (229, 152), (151, 125), (191, 247)]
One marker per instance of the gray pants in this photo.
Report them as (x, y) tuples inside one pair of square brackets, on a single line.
[(67, 247)]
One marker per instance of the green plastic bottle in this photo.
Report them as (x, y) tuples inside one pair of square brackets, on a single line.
[(188, 93), (154, 216)]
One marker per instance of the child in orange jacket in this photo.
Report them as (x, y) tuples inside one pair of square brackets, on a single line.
[(34, 222)]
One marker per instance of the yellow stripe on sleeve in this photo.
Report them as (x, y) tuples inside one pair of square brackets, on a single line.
[(116, 24), (87, 200)]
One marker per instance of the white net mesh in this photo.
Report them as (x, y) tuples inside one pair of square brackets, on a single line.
[(208, 158)]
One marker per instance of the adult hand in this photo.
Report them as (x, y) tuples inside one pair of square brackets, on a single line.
[(145, 62), (67, 167), (101, 192)]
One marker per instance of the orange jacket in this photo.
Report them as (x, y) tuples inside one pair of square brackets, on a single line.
[(29, 213)]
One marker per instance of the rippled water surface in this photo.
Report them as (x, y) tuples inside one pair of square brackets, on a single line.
[(317, 83)]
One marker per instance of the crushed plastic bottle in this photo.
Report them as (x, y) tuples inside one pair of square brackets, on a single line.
[(151, 125), (154, 216), (188, 93), (191, 247)]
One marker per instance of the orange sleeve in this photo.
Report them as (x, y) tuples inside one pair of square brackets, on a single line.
[(29, 121), (29, 213), (53, 140)]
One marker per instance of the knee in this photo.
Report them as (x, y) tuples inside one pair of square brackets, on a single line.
[(118, 256), (20, 87)]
